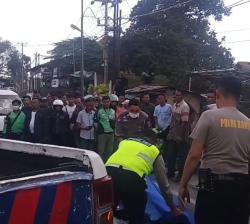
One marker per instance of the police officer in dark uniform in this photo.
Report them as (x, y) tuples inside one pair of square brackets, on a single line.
[(221, 141), (128, 166)]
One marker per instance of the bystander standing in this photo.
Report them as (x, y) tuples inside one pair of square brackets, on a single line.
[(114, 100), (85, 123), (148, 108), (46, 112), (14, 122), (34, 125), (59, 125), (73, 124), (120, 107), (70, 107), (105, 119), (26, 104), (178, 136), (132, 123), (211, 101), (163, 115)]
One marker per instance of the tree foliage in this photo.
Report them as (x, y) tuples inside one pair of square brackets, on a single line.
[(11, 60), (5, 47), (174, 41), (64, 52)]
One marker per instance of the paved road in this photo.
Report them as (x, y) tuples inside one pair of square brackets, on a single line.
[(193, 190)]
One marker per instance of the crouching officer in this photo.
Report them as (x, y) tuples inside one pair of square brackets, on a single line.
[(128, 166)]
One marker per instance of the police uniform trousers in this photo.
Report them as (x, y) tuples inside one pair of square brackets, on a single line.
[(129, 188), (229, 203)]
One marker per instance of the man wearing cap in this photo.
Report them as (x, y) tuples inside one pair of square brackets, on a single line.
[(15, 122), (114, 100), (132, 123)]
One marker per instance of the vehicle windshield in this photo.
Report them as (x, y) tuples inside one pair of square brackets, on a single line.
[(6, 104)]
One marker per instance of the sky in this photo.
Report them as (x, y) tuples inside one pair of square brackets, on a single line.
[(39, 24)]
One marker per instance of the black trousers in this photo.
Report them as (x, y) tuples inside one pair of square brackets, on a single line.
[(130, 189), (176, 154), (228, 204), (60, 139)]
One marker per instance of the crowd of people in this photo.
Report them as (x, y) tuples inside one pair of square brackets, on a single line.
[(99, 124), (220, 146)]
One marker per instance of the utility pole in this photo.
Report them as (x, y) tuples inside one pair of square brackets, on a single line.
[(22, 70), (38, 56), (116, 42), (74, 58), (105, 49), (82, 51), (105, 38)]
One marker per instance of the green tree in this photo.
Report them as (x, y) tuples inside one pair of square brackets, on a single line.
[(64, 52), (175, 41), (5, 47), (11, 61)]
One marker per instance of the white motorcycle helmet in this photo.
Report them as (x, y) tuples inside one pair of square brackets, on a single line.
[(58, 103)]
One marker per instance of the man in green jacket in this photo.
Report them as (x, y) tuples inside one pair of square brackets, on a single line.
[(105, 119), (15, 122)]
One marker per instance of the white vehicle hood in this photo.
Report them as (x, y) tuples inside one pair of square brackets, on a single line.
[(2, 122)]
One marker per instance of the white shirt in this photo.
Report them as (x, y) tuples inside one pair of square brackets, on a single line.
[(86, 119), (212, 106), (181, 111), (32, 122), (69, 110), (163, 115)]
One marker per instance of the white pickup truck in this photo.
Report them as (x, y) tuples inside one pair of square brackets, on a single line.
[(42, 184)]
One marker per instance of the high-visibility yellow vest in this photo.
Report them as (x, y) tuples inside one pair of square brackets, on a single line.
[(135, 155)]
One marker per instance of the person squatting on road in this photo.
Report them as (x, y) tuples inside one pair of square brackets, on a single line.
[(135, 159)]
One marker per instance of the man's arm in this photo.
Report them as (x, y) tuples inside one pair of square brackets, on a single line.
[(191, 165), (160, 174), (156, 122), (119, 130), (155, 118), (199, 136), (185, 114), (192, 162)]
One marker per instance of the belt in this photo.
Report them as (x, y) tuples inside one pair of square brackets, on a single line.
[(120, 167), (230, 177), (125, 168)]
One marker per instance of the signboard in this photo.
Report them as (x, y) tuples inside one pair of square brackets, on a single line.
[(55, 83)]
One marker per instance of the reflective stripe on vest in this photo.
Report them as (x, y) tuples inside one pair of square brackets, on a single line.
[(135, 156)]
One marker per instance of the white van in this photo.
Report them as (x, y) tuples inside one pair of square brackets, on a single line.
[(6, 98)]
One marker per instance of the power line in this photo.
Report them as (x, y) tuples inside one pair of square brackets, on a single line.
[(163, 10), (243, 3), (239, 41), (38, 45), (158, 11), (235, 3), (236, 30)]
